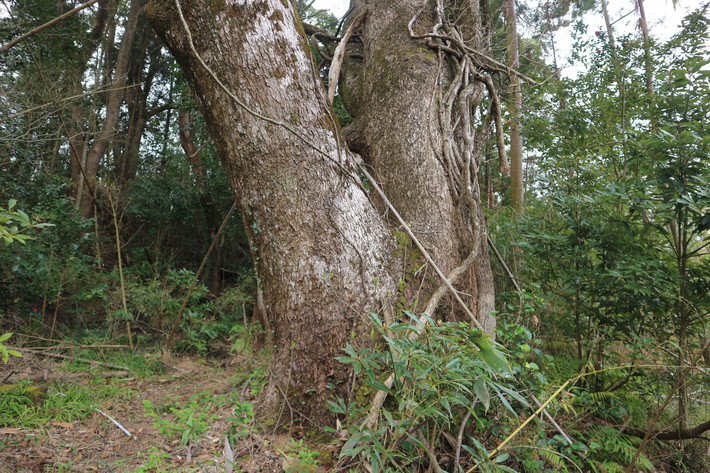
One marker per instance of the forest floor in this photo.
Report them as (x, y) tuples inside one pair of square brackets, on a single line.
[(193, 405)]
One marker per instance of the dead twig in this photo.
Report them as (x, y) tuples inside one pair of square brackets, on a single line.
[(507, 270), (552, 421), (73, 358), (115, 422), (459, 439), (430, 453)]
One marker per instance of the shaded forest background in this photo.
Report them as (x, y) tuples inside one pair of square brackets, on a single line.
[(118, 228)]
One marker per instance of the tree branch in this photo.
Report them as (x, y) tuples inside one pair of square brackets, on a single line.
[(339, 56), (322, 34), (43, 27), (73, 358), (681, 434)]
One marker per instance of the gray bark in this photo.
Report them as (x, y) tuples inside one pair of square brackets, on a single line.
[(426, 164), (323, 255), (517, 194)]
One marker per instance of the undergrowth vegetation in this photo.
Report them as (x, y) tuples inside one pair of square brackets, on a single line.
[(30, 406), (457, 399), (602, 347)]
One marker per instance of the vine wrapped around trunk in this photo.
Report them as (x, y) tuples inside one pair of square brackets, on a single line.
[(323, 253)]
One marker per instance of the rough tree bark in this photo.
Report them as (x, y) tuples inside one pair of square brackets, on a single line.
[(323, 253), (413, 125)]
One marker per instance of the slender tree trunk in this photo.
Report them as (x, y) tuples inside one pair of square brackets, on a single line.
[(85, 169), (680, 242), (516, 106), (146, 52), (130, 152), (191, 150), (609, 29), (322, 253), (648, 63)]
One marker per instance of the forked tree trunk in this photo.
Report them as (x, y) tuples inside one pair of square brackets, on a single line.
[(85, 167), (323, 253)]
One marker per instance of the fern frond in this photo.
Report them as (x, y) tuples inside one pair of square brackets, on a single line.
[(603, 395), (612, 467), (553, 458)]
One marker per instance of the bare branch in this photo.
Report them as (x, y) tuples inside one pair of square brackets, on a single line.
[(339, 55), (680, 434), (66, 357)]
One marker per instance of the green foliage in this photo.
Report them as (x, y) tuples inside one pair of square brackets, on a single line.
[(299, 450), (140, 364), (598, 230), (35, 276), (614, 240), (190, 421), (443, 373), (14, 224), (253, 373), (612, 450), (207, 322), (321, 18), (19, 407), (5, 352), (156, 462), (241, 422)]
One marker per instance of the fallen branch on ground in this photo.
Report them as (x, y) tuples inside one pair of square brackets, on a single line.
[(73, 358)]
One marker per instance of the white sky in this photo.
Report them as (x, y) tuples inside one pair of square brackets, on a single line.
[(338, 7), (657, 11)]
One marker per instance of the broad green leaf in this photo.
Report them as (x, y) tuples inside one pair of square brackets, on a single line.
[(481, 391)]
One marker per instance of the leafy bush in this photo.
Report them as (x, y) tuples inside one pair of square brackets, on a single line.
[(444, 374), (36, 277)]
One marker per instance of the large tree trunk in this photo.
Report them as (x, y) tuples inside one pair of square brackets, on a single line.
[(324, 255), (413, 124)]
